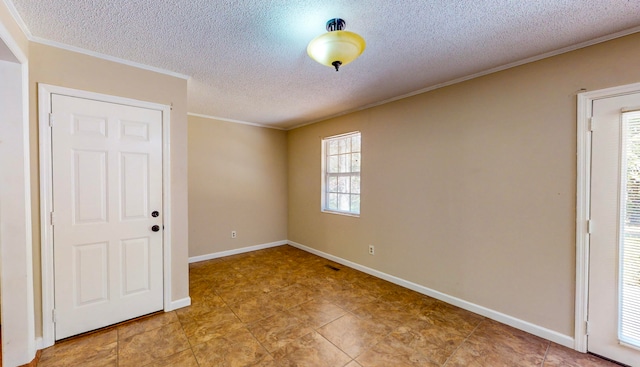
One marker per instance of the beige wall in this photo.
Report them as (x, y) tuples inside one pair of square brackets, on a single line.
[(50, 65), (237, 181), (469, 189)]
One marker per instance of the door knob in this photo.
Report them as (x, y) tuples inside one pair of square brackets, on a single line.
[(155, 228), (155, 213)]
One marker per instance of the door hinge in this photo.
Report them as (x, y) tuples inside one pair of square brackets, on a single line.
[(50, 119), (586, 328), (591, 124), (53, 315), (53, 218), (589, 226)]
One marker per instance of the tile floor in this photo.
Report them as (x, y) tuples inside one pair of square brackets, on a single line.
[(285, 307)]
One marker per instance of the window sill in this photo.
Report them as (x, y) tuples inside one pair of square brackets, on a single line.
[(340, 213)]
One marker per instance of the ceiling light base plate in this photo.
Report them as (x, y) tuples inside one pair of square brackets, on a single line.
[(336, 24)]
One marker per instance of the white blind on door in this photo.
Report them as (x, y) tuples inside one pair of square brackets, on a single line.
[(629, 286)]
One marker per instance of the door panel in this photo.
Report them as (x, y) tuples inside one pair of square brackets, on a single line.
[(135, 185), (90, 276), (89, 189), (610, 229), (135, 269), (107, 179)]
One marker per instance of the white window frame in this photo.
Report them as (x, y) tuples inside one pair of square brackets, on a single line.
[(324, 192)]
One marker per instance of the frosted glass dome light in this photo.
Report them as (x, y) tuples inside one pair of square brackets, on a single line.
[(336, 47)]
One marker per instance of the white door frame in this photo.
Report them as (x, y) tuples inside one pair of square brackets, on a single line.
[(46, 194), (18, 339), (583, 204)]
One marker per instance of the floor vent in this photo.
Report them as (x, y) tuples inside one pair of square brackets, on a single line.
[(332, 267)]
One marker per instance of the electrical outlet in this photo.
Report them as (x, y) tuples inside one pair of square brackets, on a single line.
[(372, 250), (234, 234)]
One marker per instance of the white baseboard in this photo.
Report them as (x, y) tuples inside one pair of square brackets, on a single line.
[(540, 331), (184, 302), (242, 250), (39, 343)]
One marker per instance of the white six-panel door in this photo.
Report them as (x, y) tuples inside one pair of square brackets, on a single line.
[(107, 182)]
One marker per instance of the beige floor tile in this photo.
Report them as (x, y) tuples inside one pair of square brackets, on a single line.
[(494, 344), (243, 293), (204, 293), (292, 296), (391, 352), (152, 346), (436, 343), (255, 308), (447, 316), (311, 350), (318, 313), (95, 349), (283, 307), (215, 275), (181, 359), (235, 349), (350, 299), (353, 335), (387, 313), (278, 330), (211, 325), (145, 324), (559, 356)]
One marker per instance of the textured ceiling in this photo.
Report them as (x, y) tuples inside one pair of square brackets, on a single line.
[(247, 58)]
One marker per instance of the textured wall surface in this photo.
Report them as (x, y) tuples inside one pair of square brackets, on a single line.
[(470, 189)]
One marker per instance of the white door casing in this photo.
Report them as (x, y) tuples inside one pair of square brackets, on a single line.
[(18, 322), (598, 221), (100, 234)]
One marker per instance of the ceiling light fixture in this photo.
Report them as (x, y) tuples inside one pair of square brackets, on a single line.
[(336, 47)]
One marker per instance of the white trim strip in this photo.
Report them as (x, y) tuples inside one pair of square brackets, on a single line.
[(233, 121), (582, 218), (8, 40), (107, 57), (179, 303), (18, 19), (167, 221), (46, 205), (39, 343), (540, 331), (242, 250)]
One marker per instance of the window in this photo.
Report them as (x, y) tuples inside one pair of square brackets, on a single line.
[(341, 174), (629, 245)]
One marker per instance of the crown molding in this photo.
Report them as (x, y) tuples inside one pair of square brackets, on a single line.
[(234, 121), (99, 55)]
